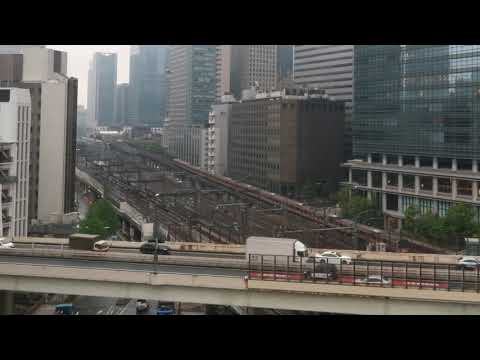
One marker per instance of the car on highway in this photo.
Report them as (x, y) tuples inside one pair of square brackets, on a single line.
[(160, 240), (333, 257), (149, 248), (322, 271), (165, 308), (6, 243), (468, 263), (101, 246), (142, 305), (374, 280)]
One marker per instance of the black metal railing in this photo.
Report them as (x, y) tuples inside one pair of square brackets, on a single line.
[(388, 274)]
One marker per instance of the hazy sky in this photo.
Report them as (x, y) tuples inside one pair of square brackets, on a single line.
[(79, 57)]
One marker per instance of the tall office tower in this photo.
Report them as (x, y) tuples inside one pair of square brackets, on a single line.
[(251, 65), (191, 84), (219, 91), (329, 68), (416, 127), (81, 121), (244, 66), (102, 80), (15, 118), (148, 84), (53, 125), (284, 64), (281, 140), (121, 104)]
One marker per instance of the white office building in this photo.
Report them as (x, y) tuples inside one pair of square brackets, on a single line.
[(15, 121), (53, 123), (217, 137)]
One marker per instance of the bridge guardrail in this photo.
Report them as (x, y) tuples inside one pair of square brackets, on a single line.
[(389, 274)]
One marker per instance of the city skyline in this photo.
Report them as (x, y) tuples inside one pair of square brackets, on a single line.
[(79, 57)]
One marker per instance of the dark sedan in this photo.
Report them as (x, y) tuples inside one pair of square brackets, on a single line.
[(149, 248)]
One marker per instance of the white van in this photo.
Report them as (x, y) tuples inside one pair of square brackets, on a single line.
[(6, 243), (101, 245)]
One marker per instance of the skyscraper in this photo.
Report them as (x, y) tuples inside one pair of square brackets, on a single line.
[(191, 84), (53, 124), (244, 66), (148, 84), (284, 63), (102, 80), (329, 68), (416, 130), (121, 104)]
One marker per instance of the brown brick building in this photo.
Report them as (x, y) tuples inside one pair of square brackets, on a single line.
[(280, 140)]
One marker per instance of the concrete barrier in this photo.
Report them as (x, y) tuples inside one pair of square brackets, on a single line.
[(130, 257)]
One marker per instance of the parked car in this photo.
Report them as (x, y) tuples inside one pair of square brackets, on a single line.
[(468, 263), (6, 243), (374, 280), (142, 305), (333, 257), (149, 248)]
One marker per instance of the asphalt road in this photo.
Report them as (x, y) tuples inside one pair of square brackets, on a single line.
[(117, 265), (137, 251)]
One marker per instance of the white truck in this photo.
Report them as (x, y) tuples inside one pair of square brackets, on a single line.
[(269, 247), (284, 258)]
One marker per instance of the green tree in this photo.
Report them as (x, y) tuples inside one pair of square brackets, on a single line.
[(411, 215), (352, 205), (460, 223), (101, 219)]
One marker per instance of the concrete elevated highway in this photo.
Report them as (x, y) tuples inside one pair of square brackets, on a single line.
[(210, 280)]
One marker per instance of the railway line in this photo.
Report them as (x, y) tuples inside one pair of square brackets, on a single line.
[(259, 212)]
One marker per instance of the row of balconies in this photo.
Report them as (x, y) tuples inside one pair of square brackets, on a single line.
[(6, 219), (5, 159)]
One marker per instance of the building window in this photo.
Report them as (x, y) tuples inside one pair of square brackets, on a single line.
[(408, 160), (425, 205), (444, 163), (392, 202), (426, 161), (443, 207), (408, 182), (359, 177), (464, 188), (426, 183), (376, 179), (464, 164), (444, 185), (392, 179), (392, 160)]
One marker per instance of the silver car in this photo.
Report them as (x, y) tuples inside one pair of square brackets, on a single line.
[(374, 280), (468, 263)]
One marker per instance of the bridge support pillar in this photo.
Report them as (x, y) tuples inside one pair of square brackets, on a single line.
[(6, 303)]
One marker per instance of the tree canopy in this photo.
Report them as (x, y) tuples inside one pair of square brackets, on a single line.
[(449, 231), (101, 219), (352, 205)]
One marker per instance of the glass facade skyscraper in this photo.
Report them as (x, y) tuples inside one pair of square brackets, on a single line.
[(416, 117), (148, 84), (417, 100)]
